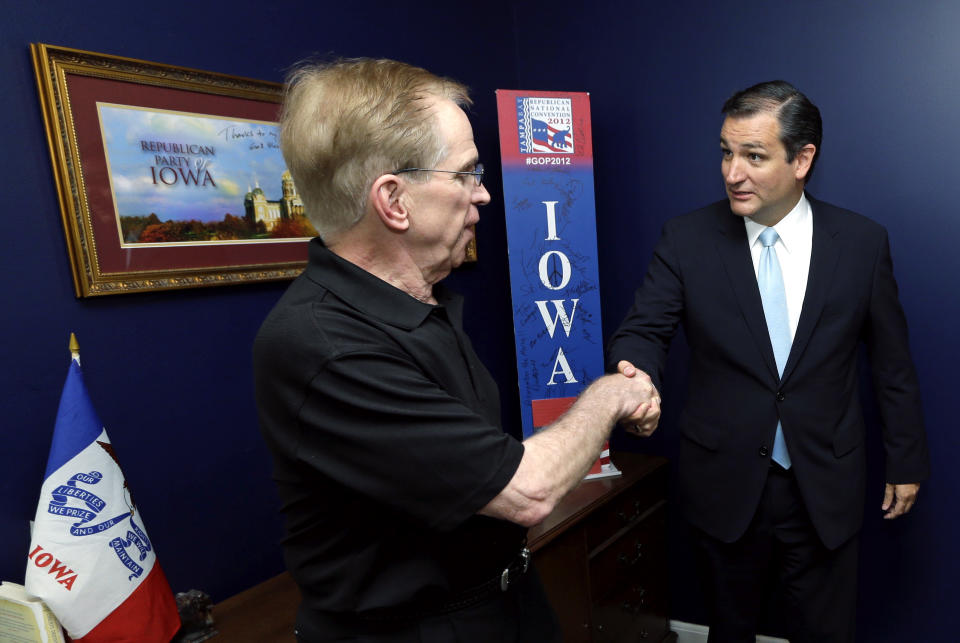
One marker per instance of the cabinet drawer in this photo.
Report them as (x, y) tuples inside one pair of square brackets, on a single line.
[(637, 556), (627, 576), (635, 613), (625, 509)]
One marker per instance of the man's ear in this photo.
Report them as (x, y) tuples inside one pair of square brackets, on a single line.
[(388, 196), (804, 159)]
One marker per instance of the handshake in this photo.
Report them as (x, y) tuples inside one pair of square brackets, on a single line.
[(634, 396)]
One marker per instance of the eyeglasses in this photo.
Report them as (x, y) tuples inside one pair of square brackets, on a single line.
[(477, 172)]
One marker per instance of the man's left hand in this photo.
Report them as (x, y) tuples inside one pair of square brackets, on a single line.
[(898, 499)]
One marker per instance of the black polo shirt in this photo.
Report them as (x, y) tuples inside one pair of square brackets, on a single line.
[(384, 429)]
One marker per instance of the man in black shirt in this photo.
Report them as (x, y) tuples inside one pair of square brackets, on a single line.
[(406, 504)]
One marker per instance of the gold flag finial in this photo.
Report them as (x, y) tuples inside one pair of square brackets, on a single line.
[(74, 347)]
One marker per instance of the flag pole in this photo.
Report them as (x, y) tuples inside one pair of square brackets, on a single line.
[(74, 348)]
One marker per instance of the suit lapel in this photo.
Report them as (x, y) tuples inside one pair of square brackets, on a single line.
[(823, 263), (736, 259)]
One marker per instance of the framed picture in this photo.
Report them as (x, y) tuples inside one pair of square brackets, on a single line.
[(167, 177)]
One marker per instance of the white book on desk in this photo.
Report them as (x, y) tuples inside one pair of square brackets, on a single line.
[(26, 619)]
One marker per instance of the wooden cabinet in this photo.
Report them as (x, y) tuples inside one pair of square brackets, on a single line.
[(602, 555)]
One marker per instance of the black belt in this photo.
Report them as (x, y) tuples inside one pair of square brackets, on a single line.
[(466, 598)]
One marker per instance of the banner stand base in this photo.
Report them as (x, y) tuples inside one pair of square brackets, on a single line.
[(603, 467)]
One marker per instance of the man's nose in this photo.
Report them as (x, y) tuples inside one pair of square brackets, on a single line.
[(733, 171), (480, 195)]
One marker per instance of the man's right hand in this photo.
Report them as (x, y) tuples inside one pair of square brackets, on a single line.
[(645, 418)]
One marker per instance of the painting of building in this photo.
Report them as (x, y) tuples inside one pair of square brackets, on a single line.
[(258, 208)]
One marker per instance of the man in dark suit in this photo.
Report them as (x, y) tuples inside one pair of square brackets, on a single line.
[(776, 291)]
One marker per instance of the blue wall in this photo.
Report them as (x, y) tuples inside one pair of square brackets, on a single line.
[(170, 372), (884, 76)]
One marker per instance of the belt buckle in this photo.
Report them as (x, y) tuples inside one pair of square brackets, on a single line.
[(505, 574)]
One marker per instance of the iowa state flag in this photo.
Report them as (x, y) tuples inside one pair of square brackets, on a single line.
[(90, 558)]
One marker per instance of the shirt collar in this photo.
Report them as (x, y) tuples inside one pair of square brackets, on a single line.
[(371, 295), (789, 228)]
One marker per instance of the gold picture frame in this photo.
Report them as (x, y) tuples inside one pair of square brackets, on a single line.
[(103, 170)]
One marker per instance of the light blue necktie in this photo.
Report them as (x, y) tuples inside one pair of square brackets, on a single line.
[(774, 297)]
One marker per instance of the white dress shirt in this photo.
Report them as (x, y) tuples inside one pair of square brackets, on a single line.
[(793, 252)]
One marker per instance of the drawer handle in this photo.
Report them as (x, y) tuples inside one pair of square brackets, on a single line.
[(626, 561), (622, 515)]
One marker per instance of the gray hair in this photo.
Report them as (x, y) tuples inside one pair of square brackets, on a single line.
[(346, 123)]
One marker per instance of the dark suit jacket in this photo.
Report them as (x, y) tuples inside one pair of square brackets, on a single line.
[(702, 276)]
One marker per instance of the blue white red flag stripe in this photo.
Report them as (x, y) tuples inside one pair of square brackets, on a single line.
[(547, 138), (90, 558)]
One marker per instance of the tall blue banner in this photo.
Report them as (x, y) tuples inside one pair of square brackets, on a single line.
[(547, 154)]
